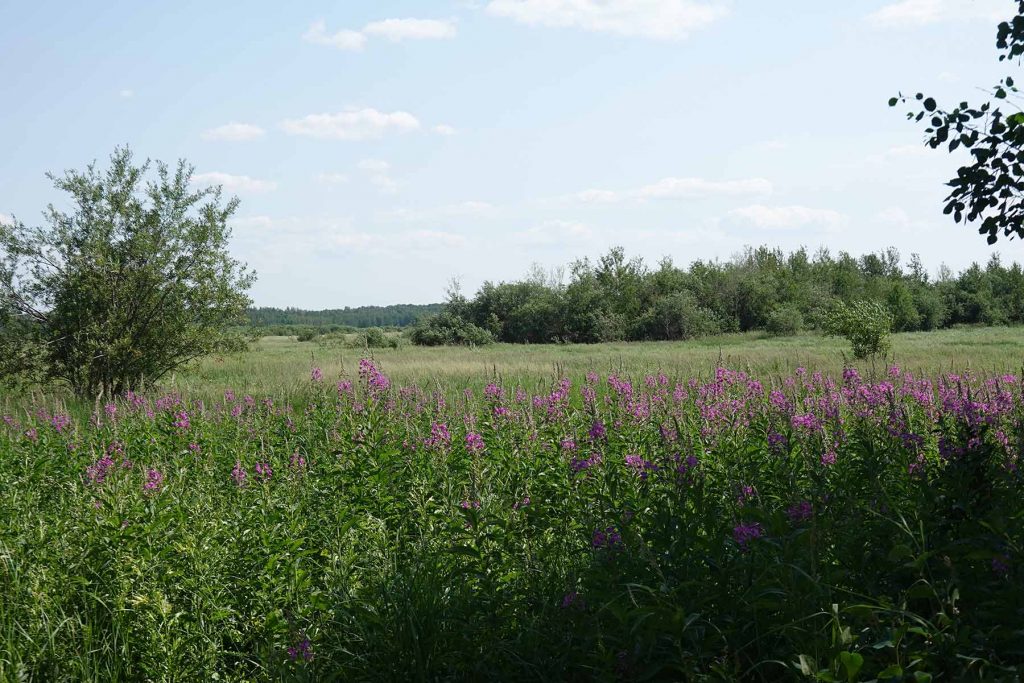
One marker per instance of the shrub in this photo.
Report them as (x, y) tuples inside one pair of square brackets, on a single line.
[(785, 321), (447, 329), (865, 324)]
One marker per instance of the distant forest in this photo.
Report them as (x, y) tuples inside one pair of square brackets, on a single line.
[(620, 298), (398, 315)]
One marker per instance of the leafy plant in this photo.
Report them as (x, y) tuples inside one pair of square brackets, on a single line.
[(134, 282), (865, 324)]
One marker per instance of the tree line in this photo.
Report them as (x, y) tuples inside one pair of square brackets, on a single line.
[(398, 315), (616, 298)]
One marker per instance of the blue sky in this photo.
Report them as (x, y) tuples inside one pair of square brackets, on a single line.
[(381, 148)]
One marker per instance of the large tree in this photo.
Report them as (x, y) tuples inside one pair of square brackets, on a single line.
[(988, 191), (131, 282)]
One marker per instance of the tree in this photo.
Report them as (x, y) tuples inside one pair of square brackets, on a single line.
[(865, 324), (132, 283), (990, 189)]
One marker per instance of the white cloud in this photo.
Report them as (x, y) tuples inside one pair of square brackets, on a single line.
[(921, 12), (680, 188), (432, 239), (554, 232), (397, 30), (377, 173), (444, 129), (127, 93), (374, 166), (342, 40), (898, 218), (234, 132), (659, 19), (394, 30), (787, 217), (234, 183), (332, 178), (471, 208), (352, 124)]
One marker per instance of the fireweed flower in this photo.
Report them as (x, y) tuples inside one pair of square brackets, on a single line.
[(181, 420), (98, 471), (800, 512), (521, 504), (470, 505), (608, 538), (297, 462), (640, 466), (747, 493), (744, 534), (239, 475), (154, 481), (597, 431), (474, 442), (440, 437), (263, 471), (316, 375), (303, 649), (828, 458)]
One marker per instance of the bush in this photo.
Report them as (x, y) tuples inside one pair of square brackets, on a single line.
[(447, 329), (865, 324), (785, 322)]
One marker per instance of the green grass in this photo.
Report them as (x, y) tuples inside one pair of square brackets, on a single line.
[(280, 366)]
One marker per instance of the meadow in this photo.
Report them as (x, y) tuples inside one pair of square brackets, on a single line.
[(739, 508), (279, 366)]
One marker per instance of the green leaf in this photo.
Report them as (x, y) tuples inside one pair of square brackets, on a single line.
[(929, 104), (852, 662), (894, 671), (893, 101)]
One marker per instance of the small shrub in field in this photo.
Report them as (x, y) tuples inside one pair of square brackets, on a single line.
[(785, 322), (865, 324), (447, 329)]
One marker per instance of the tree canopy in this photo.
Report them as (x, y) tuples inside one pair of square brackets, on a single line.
[(132, 282), (989, 189)]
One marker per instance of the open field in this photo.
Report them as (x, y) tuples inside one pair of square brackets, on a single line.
[(279, 366)]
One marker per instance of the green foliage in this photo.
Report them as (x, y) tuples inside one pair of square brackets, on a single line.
[(990, 188), (134, 282), (785, 321), (446, 329), (865, 324), (332, 320), (750, 528), (618, 299)]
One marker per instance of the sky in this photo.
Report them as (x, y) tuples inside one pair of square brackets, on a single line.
[(381, 149)]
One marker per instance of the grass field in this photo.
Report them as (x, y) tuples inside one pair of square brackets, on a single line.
[(280, 366)]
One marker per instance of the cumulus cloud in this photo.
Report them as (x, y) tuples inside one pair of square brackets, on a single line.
[(397, 30), (342, 40), (554, 232), (332, 178), (921, 12), (377, 173), (470, 208), (792, 217), (680, 188), (234, 132), (394, 30), (127, 93), (444, 129), (351, 124), (234, 183), (658, 19)]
